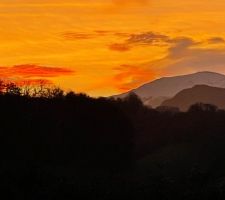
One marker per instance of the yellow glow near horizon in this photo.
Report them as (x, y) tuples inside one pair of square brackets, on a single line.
[(105, 47)]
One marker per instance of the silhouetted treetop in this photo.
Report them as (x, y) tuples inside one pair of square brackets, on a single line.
[(202, 107), (63, 145)]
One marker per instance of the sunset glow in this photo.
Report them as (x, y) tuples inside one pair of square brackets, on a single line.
[(105, 47)]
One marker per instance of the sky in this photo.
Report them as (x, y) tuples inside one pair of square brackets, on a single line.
[(106, 47)]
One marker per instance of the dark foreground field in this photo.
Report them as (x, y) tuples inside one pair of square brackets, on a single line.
[(69, 146)]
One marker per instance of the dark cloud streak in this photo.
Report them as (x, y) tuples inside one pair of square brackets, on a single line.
[(147, 38), (216, 40)]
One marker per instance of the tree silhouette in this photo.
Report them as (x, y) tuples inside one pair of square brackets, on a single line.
[(57, 145), (12, 89), (201, 107)]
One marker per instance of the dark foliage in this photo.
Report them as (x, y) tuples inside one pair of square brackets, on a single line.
[(64, 146), (45, 141)]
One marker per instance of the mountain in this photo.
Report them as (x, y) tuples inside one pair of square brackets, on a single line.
[(198, 94), (155, 92)]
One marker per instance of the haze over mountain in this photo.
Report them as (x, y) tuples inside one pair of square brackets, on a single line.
[(198, 94), (156, 92)]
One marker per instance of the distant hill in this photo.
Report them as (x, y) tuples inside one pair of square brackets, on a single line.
[(156, 92), (198, 94)]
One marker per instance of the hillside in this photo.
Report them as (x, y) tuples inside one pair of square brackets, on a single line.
[(198, 94), (155, 92)]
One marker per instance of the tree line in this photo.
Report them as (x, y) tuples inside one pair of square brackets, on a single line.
[(58, 145)]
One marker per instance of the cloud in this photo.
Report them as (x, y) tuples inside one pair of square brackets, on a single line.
[(73, 35), (122, 34), (129, 77), (149, 38), (186, 56), (125, 78), (180, 45), (76, 36), (103, 32), (146, 38), (27, 71), (216, 40), (119, 47), (161, 40)]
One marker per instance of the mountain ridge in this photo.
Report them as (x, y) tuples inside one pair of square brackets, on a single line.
[(198, 94), (157, 91)]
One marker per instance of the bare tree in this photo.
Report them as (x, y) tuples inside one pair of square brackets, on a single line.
[(13, 89), (55, 92), (2, 87)]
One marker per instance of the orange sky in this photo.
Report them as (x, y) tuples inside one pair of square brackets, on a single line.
[(105, 47)]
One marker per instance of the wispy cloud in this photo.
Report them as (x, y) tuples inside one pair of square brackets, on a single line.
[(216, 40), (32, 71), (130, 76), (149, 38), (146, 38), (161, 40), (187, 55), (119, 47), (74, 35)]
